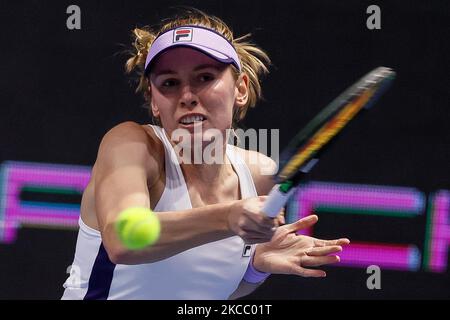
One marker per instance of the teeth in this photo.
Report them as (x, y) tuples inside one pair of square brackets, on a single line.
[(192, 119)]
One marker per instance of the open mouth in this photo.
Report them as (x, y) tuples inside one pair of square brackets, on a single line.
[(187, 120)]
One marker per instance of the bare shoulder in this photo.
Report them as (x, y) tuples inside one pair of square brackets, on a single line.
[(133, 132), (261, 167), (130, 143)]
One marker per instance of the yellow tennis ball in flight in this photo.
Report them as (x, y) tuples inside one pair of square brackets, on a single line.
[(138, 228)]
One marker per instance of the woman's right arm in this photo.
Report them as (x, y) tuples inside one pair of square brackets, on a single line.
[(127, 163)]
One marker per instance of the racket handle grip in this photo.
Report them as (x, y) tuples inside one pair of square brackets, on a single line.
[(276, 200)]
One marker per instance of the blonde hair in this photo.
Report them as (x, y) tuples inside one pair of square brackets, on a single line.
[(254, 61)]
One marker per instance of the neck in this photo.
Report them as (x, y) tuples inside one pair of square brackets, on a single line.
[(203, 160), (208, 173)]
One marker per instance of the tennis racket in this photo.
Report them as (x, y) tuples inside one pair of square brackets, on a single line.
[(303, 152)]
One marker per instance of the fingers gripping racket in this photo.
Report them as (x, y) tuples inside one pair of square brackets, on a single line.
[(303, 152)]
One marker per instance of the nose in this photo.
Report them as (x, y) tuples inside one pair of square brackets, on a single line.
[(188, 98)]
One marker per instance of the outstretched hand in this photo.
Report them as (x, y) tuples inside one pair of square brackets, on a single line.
[(289, 253)]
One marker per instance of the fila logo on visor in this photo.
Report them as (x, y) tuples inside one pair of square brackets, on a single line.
[(182, 35)]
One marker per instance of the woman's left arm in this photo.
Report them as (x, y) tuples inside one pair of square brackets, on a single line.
[(287, 252), (291, 253)]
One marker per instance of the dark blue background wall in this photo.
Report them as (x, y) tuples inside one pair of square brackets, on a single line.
[(61, 90)]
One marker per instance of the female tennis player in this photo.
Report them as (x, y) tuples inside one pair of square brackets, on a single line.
[(215, 242)]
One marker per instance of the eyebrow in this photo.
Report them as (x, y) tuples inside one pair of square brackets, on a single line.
[(197, 68)]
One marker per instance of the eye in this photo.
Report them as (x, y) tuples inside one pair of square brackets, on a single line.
[(169, 83), (206, 77)]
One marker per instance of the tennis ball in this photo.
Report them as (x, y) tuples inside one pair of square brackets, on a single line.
[(137, 227)]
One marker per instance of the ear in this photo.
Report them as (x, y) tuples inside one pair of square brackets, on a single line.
[(155, 110), (241, 90)]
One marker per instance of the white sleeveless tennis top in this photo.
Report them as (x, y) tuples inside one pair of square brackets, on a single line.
[(210, 271)]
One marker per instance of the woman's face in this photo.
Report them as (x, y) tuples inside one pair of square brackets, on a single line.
[(190, 91)]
